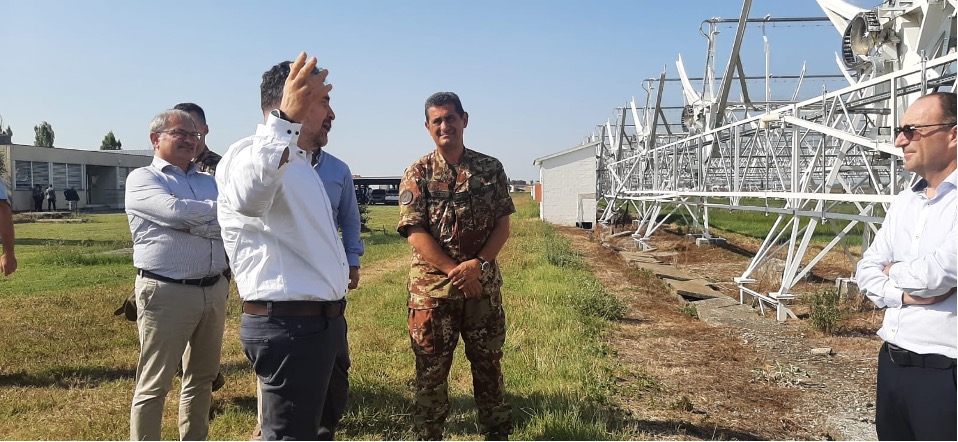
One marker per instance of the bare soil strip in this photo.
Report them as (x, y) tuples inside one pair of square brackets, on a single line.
[(745, 377)]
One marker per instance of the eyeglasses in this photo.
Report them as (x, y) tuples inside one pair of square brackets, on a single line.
[(177, 133), (909, 129)]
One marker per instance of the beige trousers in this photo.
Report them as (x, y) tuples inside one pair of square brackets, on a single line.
[(177, 322)]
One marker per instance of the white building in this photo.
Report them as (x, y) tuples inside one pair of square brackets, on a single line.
[(567, 178), (98, 176)]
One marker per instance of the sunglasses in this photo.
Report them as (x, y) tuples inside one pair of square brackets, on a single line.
[(909, 129)]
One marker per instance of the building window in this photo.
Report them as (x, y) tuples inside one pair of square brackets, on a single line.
[(31, 173), (66, 176), (75, 176), (121, 173), (24, 174), (59, 176)]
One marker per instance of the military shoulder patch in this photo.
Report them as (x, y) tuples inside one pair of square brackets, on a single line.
[(405, 197)]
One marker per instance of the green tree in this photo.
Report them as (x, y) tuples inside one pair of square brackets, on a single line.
[(110, 142), (44, 136)]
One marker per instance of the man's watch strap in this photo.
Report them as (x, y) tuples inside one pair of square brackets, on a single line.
[(484, 265)]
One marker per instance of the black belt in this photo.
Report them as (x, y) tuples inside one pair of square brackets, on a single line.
[(329, 309), (908, 358), (202, 282)]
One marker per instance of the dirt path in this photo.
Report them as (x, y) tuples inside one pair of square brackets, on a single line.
[(749, 377)]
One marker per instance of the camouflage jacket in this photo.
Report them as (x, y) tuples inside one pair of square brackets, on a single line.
[(207, 160), (458, 207)]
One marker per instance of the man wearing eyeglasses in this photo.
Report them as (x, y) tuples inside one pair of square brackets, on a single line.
[(910, 270), (205, 159), (180, 291)]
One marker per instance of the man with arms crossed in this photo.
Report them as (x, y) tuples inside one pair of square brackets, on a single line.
[(909, 270), (180, 291), (454, 207), (287, 257), (206, 160)]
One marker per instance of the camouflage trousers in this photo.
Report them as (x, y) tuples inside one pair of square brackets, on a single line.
[(434, 329)]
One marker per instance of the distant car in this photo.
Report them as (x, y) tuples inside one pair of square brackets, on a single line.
[(377, 196), (392, 197)]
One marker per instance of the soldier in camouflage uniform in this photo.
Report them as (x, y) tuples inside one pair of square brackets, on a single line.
[(454, 211), (206, 160)]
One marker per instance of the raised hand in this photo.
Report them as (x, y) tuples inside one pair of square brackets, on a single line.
[(303, 89)]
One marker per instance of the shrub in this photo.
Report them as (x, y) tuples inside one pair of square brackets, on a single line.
[(559, 252), (825, 311), (591, 299), (690, 310)]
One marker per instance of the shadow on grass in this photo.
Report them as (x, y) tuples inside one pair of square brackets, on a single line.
[(673, 428), (88, 377), (386, 413), (378, 237), (73, 243)]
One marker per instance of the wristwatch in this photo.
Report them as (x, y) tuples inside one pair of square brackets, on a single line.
[(281, 115), (484, 265)]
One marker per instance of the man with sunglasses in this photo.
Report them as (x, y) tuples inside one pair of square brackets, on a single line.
[(180, 291), (910, 270)]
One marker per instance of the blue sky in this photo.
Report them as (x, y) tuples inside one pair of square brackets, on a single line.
[(536, 77)]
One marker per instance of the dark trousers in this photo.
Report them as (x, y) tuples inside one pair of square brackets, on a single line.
[(38, 204), (914, 403), (295, 359), (336, 396), (51, 204)]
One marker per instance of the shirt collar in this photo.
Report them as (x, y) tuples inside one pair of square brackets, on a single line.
[(950, 182), (160, 164)]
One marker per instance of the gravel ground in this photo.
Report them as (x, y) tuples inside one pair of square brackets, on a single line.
[(733, 374)]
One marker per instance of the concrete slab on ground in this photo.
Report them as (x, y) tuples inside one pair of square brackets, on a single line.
[(694, 288), (723, 311), (662, 270), (638, 257)]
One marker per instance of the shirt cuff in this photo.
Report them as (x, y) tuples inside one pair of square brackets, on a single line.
[(892, 295), (287, 135), (352, 259)]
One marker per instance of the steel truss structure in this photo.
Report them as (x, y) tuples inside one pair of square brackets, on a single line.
[(827, 160)]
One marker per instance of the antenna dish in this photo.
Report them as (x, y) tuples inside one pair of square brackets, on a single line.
[(860, 39)]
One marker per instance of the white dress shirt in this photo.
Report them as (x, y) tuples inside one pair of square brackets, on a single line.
[(277, 224), (919, 236), (172, 217)]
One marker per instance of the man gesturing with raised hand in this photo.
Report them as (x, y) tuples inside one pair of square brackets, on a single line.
[(285, 252)]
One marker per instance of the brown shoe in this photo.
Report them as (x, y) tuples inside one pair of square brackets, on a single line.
[(219, 382)]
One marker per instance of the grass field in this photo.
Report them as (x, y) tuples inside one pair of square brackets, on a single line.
[(67, 365)]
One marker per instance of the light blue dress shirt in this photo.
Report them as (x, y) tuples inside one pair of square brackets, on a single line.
[(338, 181), (172, 217)]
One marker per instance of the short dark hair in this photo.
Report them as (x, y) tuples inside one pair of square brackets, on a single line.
[(192, 108), (443, 98), (271, 89), (948, 105)]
